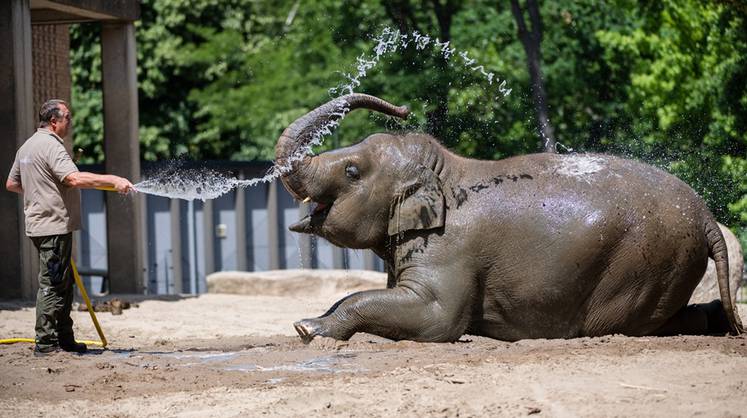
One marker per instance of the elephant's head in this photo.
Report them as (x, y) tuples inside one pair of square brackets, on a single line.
[(367, 192)]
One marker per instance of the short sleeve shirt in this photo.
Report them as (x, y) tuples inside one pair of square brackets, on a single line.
[(41, 165)]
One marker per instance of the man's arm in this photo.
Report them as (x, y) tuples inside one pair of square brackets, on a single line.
[(86, 180), (14, 186)]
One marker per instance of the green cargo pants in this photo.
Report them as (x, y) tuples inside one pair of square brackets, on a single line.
[(55, 297)]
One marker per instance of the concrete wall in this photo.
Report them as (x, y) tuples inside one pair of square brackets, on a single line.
[(16, 124), (50, 55)]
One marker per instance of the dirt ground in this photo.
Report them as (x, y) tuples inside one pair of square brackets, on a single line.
[(228, 355)]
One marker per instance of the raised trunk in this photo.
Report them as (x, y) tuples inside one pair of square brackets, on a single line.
[(291, 150)]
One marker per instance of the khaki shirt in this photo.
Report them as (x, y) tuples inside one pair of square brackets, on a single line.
[(41, 165)]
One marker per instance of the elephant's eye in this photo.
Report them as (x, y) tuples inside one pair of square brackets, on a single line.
[(352, 172)]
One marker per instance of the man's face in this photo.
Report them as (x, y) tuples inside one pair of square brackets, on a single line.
[(62, 125)]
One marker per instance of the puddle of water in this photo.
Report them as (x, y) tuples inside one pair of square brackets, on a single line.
[(218, 357), (235, 361), (204, 357), (326, 364)]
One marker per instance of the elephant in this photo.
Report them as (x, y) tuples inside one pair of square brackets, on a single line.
[(534, 246)]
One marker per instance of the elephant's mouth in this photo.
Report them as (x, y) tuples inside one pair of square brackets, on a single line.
[(314, 220), (320, 208)]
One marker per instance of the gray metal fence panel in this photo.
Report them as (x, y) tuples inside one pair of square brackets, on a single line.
[(91, 240), (158, 220), (258, 250), (225, 232)]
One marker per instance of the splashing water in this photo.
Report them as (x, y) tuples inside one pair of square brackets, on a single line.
[(188, 184), (390, 40), (203, 185)]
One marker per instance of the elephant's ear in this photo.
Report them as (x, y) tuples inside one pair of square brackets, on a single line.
[(418, 205)]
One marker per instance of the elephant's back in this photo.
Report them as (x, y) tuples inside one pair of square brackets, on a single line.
[(591, 171), (576, 185), (616, 186), (597, 243)]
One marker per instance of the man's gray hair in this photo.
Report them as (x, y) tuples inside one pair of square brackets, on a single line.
[(50, 109)]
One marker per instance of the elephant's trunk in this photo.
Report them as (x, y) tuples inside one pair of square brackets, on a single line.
[(289, 150)]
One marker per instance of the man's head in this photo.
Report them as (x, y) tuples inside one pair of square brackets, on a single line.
[(55, 116)]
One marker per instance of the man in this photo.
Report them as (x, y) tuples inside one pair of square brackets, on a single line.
[(46, 176)]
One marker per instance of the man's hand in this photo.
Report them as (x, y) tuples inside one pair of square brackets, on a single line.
[(13, 186), (122, 185)]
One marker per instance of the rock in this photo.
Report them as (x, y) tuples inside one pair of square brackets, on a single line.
[(298, 282), (707, 289), (115, 306)]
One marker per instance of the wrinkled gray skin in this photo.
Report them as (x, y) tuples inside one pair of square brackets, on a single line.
[(537, 246)]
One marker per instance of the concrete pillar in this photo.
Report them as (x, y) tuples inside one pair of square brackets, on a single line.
[(18, 274), (122, 154)]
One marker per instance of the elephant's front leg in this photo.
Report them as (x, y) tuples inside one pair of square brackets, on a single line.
[(408, 311)]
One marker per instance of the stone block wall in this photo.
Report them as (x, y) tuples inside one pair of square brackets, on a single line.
[(50, 58)]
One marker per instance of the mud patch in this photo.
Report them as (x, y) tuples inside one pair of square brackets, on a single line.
[(232, 355)]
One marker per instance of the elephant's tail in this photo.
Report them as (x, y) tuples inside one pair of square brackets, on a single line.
[(718, 252)]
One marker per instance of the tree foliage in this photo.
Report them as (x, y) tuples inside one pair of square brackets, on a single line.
[(663, 81)]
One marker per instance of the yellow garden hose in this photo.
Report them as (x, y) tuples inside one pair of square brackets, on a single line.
[(83, 292), (31, 340)]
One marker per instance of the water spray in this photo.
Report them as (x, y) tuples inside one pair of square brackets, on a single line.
[(204, 185)]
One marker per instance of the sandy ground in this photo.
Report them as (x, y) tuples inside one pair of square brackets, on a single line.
[(231, 355)]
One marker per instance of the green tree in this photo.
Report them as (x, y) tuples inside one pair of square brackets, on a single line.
[(687, 96), (661, 81)]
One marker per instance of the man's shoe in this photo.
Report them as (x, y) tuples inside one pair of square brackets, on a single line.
[(73, 347), (45, 350)]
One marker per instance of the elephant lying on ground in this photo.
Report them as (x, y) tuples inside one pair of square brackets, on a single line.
[(537, 246)]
